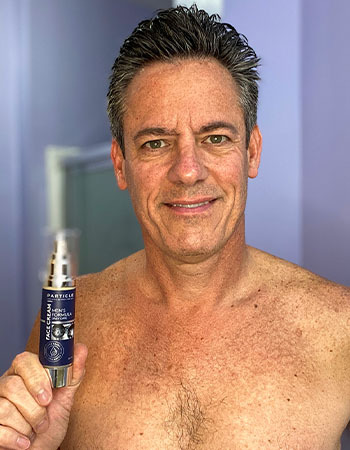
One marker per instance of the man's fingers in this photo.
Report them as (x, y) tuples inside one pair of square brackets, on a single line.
[(10, 415), (10, 439), (28, 367), (14, 390), (80, 355), (29, 408)]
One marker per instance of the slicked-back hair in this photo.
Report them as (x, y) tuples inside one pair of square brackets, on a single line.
[(184, 33)]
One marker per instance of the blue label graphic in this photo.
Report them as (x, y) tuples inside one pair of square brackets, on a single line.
[(57, 327)]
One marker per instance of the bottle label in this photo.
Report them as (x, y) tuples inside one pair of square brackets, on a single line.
[(57, 327)]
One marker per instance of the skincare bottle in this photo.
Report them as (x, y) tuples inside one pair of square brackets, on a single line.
[(57, 314)]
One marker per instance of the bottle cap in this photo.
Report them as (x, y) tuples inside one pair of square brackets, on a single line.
[(60, 376)]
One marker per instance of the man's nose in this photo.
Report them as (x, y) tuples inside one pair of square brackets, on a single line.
[(188, 166)]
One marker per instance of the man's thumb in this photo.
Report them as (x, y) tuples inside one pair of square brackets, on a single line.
[(64, 396), (80, 355), (62, 401)]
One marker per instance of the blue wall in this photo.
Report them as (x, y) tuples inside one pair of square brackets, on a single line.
[(274, 211), (11, 312), (326, 138)]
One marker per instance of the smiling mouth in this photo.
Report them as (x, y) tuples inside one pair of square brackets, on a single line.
[(190, 205)]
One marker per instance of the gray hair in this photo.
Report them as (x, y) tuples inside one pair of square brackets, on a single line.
[(184, 33)]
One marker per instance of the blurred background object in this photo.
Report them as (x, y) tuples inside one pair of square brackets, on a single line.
[(56, 59), (86, 189), (211, 6)]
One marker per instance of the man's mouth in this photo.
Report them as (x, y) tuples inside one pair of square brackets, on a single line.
[(187, 205), (190, 205)]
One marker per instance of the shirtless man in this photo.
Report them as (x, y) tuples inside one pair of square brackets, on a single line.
[(198, 341)]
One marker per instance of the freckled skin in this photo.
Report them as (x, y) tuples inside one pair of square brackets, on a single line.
[(200, 342)]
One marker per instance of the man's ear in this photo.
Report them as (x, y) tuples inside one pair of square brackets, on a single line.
[(118, 161), (254, 152)]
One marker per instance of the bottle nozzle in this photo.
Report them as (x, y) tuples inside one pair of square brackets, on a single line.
[(60, 264), (60, 246)]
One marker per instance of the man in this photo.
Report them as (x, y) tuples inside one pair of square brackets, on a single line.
[(199, 341)]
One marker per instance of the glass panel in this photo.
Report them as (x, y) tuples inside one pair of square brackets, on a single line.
[(104, 215)]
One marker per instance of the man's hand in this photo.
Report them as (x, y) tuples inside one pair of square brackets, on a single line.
[(32, 414)]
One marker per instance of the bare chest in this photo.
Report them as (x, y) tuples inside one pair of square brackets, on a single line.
[(211, 390)]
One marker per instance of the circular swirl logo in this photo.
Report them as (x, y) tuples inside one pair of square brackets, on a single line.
[(53, 351)]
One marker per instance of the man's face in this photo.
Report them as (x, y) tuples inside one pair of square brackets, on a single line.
[(186, 164)]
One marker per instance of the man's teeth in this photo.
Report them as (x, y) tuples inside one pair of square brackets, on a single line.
[(193, 205)]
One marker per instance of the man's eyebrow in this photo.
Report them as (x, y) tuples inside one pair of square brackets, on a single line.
[(212, 126), (154, 131), (159, 131)]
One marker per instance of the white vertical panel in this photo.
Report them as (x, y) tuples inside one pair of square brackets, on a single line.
[(211, 6)]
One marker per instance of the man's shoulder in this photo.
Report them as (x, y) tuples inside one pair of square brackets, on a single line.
[(112, 278), (297, 282), (98, 292), (102, 297), (317, 308)]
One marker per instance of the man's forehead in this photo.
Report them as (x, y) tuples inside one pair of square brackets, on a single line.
[(165, 93), (167, 72)]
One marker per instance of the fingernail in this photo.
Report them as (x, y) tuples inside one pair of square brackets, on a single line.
[(42, 426), (23, 442), (43, 396)]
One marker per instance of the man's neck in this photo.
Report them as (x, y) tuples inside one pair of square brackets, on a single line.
[(203, 283)]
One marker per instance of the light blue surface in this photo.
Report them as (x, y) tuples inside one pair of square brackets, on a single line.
[(273, 29), (326, 138)]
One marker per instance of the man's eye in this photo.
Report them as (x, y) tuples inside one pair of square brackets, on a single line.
[(154, 145), (216, 139)]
